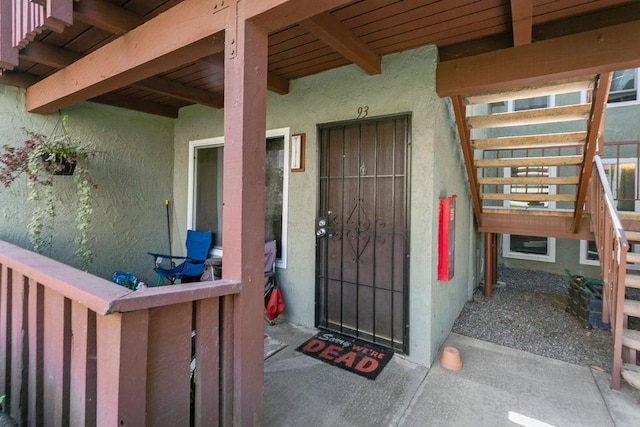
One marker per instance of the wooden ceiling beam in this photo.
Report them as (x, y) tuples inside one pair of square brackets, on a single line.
[(17, 78), (332, 32), (545, 31), (603, 50), (591, 21), (106, 16), (42, 53), (278, 84), (273, 15), (115, 100), (275, 82), (521, 21), (179, 36), (177, 90)]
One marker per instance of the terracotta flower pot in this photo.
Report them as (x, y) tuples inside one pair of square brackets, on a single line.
[(450, 359)]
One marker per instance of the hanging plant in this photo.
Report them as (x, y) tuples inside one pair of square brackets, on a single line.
[(41, 158)]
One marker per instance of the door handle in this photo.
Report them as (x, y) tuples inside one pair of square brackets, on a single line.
[(321, 227)]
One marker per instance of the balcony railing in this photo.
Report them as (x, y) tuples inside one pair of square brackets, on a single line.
[(22, 20), (79, 350)]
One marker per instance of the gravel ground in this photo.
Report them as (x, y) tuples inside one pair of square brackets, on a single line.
[(527, 313)]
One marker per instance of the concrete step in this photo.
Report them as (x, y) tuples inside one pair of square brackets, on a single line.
[(633, 257), (632, 280), (631, 338), (631, 308), (631, 374), (632, 236)]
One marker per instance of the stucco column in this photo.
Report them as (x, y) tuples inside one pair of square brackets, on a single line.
[(243, 208)]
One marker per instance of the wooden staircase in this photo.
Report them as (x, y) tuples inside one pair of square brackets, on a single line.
[(531, 172), (629, 338), (534, 163)]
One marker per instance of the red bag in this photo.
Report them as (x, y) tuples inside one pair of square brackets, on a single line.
[(274, 305)]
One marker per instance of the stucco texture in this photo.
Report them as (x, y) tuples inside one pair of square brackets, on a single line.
[(132, 166), (407, 84)]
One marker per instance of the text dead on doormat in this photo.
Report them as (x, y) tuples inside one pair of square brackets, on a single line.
[(356, 356)]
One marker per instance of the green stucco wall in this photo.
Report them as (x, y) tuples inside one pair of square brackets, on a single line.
[(132, 167), (407, 84)]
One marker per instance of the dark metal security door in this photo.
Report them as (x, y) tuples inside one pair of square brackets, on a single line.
[(361, 230)]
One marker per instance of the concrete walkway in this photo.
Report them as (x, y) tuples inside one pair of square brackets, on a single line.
[(497, 386)]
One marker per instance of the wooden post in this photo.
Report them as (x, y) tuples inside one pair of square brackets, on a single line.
[(122, 368), (244, 179), (495, 257), (489, 243)]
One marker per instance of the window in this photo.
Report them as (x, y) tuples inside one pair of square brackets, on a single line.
[(529, 247), (531, 103), (622, 176), (205, 189), (624, 86)]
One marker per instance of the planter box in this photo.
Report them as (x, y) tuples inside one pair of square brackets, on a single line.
[(585, 302)]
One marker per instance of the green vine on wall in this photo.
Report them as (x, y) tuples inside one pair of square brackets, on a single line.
[(41, 158)]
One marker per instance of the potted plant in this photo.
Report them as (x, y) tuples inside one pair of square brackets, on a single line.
[(41, 158)]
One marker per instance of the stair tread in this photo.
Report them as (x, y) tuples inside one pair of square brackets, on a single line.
[(555, 87), (631, 307), (632, 236), (528, 161), (531, 180), (530, 117), (633, 257), (563, 139), (631, 338), (632, 281), (529, 197)]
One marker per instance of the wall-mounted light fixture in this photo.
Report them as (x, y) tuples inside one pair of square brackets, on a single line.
[(297, 152)]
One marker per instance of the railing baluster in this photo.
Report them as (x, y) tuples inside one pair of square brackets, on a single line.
[(5, 328), (35, 321), (80, 387), (207, 373), (18, 343), (57, 345), (122, 368)]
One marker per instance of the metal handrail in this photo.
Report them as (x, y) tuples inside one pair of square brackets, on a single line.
[(609, 202)]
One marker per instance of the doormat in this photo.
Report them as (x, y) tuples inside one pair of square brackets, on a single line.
[(359, 357)]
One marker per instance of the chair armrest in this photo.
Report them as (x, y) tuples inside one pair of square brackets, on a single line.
[(166, 256)]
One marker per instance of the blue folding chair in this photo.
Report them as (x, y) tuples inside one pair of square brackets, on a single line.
[(198, 244)]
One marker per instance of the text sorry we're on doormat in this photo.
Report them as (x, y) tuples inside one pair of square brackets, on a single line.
[(353, 355)]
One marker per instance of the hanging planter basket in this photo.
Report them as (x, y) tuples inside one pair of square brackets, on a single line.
[(58, 165)]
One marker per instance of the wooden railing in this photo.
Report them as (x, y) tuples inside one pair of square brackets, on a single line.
[(79, 350), (612, 250)]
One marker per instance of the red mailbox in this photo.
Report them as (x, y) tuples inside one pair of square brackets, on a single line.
[(446, 238)]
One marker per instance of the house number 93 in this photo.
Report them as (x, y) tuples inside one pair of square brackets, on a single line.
[(363, 112)]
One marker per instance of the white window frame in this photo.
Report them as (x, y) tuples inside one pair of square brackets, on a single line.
[(219, 142), (551, 102), (634, 248), (583, 254), (551, 241), (626, 103)]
